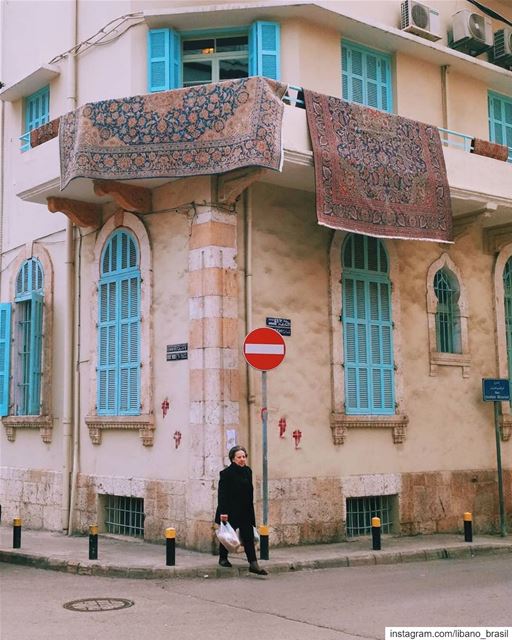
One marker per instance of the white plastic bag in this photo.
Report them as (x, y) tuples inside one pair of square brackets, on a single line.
[(227, 537), (256, 535)]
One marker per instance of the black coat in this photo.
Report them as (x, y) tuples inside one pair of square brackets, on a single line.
[(236, 496)]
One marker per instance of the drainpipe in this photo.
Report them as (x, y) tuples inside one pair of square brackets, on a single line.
[(251, 399), (444, 94), (69, 430)]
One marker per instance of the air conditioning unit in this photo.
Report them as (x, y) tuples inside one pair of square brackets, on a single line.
[(502, 49), (421, 20), (471, 33)]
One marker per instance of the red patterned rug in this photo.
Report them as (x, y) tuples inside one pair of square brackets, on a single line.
[(206, 129), (377, 173), (489, 149)]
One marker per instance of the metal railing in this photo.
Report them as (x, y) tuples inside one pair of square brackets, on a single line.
[(295, 98)]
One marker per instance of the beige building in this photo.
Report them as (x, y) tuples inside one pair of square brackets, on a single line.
[(126, 300)]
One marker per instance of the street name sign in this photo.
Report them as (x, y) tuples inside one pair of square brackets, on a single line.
[(495, 389)]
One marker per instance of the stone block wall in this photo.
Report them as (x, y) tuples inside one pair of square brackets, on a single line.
[(34, 495), (435, 502)]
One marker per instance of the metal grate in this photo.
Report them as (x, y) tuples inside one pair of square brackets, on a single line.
[(124, 516), (360, 512)]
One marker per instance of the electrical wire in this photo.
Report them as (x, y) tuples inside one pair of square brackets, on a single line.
[(100, 37)]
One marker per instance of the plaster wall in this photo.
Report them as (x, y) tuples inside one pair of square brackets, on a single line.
[(291, 280), (121, 453), (418, 92)]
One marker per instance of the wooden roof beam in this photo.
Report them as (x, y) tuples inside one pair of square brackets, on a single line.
[(83, 214), (128, 197)]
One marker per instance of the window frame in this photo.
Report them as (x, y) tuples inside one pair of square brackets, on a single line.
[(144, 422), (441, 358), (507, 127), (114, 282), (29, 124), (341, 423), (43, 420), (504, 254), (382, 58)]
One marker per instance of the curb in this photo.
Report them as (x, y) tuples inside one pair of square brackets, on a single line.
[(93, 568)]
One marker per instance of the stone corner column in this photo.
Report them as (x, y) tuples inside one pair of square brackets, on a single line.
[(213, 366)]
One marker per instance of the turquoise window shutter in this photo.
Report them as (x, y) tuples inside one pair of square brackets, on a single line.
[(500, 120), (37, 113), (367, 328), (107, 349), (118, 381), (175, 80), (5, 356), (129, 394), (265, 50), (366, 76), (164, 59), (35, 359), (158, 60)]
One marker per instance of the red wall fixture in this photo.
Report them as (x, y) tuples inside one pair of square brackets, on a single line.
[(282, 427), (177, 439), (297, 435), (165, 407)]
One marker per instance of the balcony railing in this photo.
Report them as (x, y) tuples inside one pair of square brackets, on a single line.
[(295, 97)]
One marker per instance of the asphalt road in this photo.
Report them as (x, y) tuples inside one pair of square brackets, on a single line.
[(335, 604)]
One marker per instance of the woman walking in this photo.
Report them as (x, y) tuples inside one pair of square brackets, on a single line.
[(236, 506)]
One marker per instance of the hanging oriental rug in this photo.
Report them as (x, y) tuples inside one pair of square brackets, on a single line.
[(377, 173), (206, 129)]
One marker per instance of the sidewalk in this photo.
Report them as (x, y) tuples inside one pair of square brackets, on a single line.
[(136, 559)]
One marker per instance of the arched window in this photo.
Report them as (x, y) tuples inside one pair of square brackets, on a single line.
[(367, 328), (28, 338), (118, 363), (507, 295), (448, 333)]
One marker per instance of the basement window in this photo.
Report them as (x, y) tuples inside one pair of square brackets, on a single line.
[(360, 512), (124, 516)]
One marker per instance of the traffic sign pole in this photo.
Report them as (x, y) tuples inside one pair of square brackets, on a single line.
[(503, 523), (264, 349), (497, 390), (264, 554)]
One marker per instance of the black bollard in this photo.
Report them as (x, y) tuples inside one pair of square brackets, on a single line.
[(376, 534), (170, 547), (263, 542), (16, 533), (93, 542), (468, 527)]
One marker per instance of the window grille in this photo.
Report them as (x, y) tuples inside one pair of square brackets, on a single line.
[(447, 313), (360, 512), (124, 516)]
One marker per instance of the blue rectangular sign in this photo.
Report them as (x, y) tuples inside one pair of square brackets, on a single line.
[(281, 325), (495, 389)]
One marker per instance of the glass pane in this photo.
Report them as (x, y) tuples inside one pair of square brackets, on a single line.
[(232, 69), (204, 46), (197, 72), (234, 43)]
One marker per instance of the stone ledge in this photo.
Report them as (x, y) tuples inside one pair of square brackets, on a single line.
[(43, 423), (144, 423), (340, 423), (438, 359)]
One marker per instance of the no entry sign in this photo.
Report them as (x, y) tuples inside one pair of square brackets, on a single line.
[(264, 348)]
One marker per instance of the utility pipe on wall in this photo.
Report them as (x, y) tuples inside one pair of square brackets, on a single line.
[(248, 315), (68, 427), (444, 95)]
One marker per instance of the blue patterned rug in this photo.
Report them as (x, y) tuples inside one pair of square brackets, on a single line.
[(206, 129)]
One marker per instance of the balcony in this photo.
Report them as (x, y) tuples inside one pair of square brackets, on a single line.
[(480, 187)]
